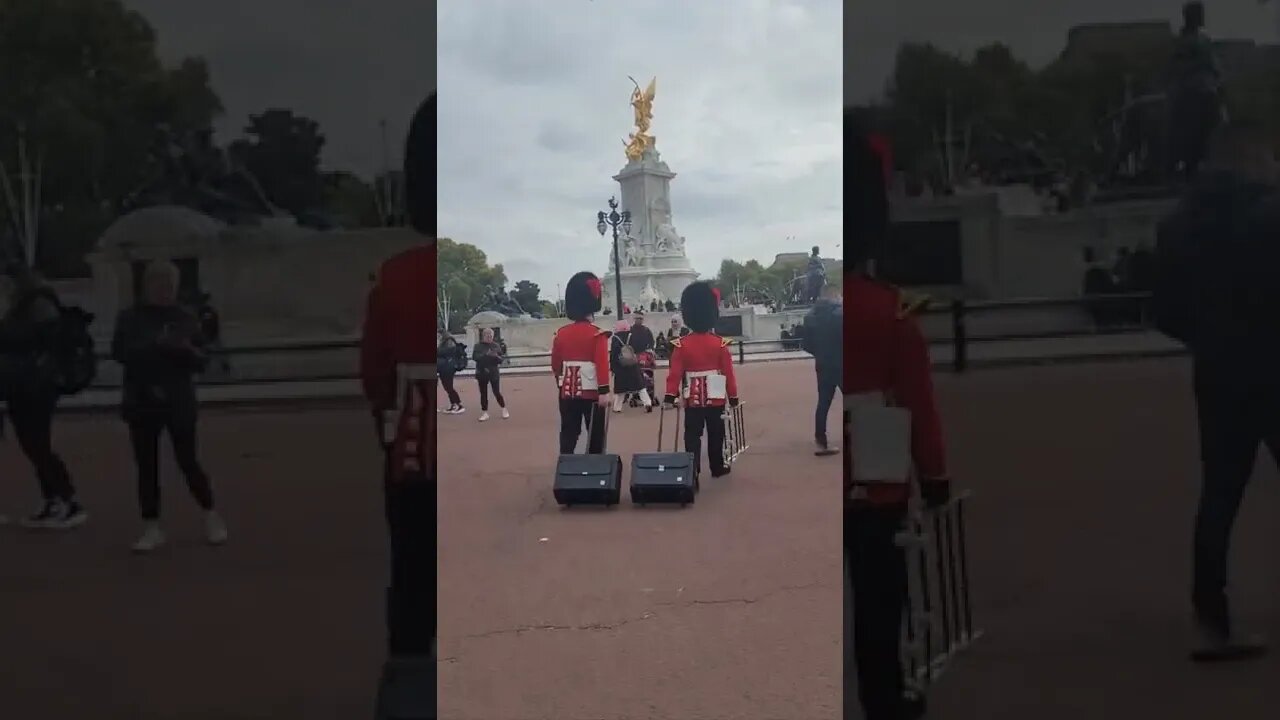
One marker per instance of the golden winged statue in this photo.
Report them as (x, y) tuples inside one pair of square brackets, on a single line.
[(642, 103)]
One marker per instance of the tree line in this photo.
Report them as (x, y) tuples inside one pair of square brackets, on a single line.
[(89, 100)]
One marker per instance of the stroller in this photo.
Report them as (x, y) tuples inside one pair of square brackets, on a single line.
[(647, 362)]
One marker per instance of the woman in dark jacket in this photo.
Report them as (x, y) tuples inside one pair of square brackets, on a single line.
[(488, 356), (160, 346), (453, 357), (627, 378)]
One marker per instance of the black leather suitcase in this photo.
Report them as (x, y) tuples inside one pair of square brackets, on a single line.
[(664, 477), (592, 479)]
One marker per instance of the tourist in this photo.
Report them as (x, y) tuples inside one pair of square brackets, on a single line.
[(628, 381), (451, 359), (580, 364), (32, 395), (643, 343), (488, 355), (397, 370), (1215, 291), (160, 346), (889, 362), (676, 330), (823, 338), (701, 374)]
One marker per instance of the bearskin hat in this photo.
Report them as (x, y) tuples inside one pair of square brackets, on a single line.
[(420, 169), (700, 306), (582, 296)]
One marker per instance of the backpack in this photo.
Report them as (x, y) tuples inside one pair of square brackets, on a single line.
[(627, 355), (68, 358)]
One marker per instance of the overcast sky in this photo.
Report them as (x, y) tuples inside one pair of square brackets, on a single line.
[(534, 111), (874, 34), (345, 63)]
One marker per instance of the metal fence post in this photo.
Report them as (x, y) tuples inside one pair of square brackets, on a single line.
[(959, 336), (742, 352)]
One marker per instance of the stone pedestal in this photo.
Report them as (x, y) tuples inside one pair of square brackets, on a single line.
[(654, 263)]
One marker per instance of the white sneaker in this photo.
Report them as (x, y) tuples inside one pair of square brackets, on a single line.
[(484, 416), (505, 415), (215, 528), (459, 410), (152, 538)]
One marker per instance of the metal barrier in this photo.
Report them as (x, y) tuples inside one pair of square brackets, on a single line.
[(1112, 313), (735, 433)]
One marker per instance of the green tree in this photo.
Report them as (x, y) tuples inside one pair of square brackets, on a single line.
[(283, 152), (464, 273), (526, 293), (83, 85), (350, 200)]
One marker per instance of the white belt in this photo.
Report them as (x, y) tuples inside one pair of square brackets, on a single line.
[(586, 374), (717, 384)]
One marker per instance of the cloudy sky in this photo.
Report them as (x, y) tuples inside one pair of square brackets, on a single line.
[(873, 35), (534, 111), (345, 63)]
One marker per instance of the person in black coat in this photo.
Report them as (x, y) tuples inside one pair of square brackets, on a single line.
[(452, 358), (823, 338), (624, 361), (489, 356), (161, 348)]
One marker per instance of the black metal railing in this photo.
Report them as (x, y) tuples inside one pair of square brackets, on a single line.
[(1115, 313)]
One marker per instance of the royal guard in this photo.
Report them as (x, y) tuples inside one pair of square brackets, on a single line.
[(886, 362), (398, 371), (701, 375), (580, 362)]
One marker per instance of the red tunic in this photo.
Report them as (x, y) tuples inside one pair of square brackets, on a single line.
[(885, 352), (580, 361), (398, 358), (696, 358)]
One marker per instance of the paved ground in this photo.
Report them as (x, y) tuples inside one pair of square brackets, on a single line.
[(283, 622), (729, 609), (1086, 479)]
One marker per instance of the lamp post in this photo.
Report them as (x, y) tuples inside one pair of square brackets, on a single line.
[(614, 219)]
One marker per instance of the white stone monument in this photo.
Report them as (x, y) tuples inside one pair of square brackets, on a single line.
[(654, 263)]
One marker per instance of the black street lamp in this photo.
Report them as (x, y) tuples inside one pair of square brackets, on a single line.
[(614, 219)]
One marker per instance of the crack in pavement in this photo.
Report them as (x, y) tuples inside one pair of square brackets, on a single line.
[(597, 626)]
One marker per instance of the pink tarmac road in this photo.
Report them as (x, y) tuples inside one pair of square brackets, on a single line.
[(1085, 480), (726, 610), (285, 621)]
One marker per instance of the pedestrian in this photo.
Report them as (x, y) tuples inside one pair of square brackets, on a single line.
[(580, 365), (823, 338), (451, 359), (488, 355), (888, 365), (628, 381), (1215, 291), (701, 377), (26, 346), (398, 374), (642, 342), (161, 348)]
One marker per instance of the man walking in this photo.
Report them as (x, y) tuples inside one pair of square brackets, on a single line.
[(1215, 291), (823, 338)]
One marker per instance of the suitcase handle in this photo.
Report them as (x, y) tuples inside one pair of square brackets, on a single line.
[(598, 411), (675, 440)]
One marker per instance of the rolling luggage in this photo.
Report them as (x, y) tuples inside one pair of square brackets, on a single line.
[(592, 479), (664, 477)]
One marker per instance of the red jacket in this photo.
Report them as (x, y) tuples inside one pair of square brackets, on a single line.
[(694, 358), (885, 352), (580, 361), (398, 356)]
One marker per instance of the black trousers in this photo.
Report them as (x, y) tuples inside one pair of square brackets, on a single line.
[(144, 434), (828, 383), (878, 575), (712, 419), (1235, 417), (411, 597), (447, 382), (31, 415), (575, 414), (487, 381)]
